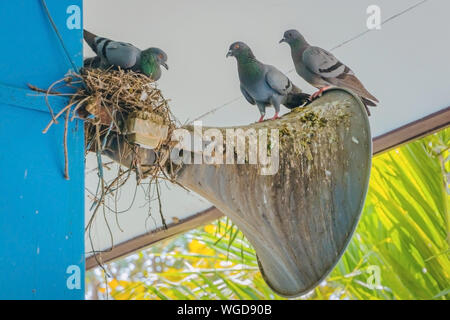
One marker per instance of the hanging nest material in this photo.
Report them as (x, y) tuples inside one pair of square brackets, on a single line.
[(125, 113), (126, 107)]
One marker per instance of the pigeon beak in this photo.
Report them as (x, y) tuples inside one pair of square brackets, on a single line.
[(165, 65), (229, 54), (282, 40)]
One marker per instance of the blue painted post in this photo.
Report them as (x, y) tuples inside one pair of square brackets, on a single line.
[(41, 213)]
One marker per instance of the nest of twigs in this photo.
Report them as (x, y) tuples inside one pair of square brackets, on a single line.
[(109, 99), (121, 92)]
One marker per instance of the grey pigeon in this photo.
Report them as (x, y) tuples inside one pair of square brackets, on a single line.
[(322, 69), (124, 55), (264, 85)]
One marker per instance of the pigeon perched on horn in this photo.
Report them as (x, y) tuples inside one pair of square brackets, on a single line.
[(264, 85), (322, 69)]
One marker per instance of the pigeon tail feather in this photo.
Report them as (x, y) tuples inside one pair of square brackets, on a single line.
[(367, 109), (351, 82), (90, 39), (295, 98), (368, 102)]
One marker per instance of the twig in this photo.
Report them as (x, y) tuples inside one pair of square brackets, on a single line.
[(79, 104), (102, 197), (66, 153), (34, 88), (46, 98), (160, 206), (57, 116)]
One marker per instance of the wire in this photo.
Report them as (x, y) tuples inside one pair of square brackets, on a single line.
[(216, 108), (391, 18), (59, 35), (382, 23)]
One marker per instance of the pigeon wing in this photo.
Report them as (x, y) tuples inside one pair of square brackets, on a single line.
[(323, 63), (329, 68), (121, 54), (278, 81)]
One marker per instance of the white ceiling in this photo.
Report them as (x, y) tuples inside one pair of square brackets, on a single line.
[(405, 65)]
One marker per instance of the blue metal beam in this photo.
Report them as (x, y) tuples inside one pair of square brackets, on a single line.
[(29, 99)]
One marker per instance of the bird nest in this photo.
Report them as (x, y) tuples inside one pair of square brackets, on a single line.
[(126, 104)]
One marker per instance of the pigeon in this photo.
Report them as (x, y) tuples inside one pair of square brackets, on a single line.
[(322, 69), (264, 85), (124, 55), (93, 62)]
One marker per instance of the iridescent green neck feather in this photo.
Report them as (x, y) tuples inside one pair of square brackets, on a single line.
[(248, 66), (149, 65)]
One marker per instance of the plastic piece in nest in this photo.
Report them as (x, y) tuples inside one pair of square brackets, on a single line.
[(146, 129)]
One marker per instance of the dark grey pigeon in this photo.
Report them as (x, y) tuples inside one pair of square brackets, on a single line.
[(264, 85), (322, 69), (93, 62), (124, 55)]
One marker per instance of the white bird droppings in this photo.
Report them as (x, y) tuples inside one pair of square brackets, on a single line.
[(355, 140), (144, 96)]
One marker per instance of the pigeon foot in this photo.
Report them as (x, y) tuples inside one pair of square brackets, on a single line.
[(319, 93), (275, 117)]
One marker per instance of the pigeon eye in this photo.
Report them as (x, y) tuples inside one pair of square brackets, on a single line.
[(160, 56), (236, 46)]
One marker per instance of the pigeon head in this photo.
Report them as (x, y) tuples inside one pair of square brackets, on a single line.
[(292, 37), (155, 55), (240, 50)]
